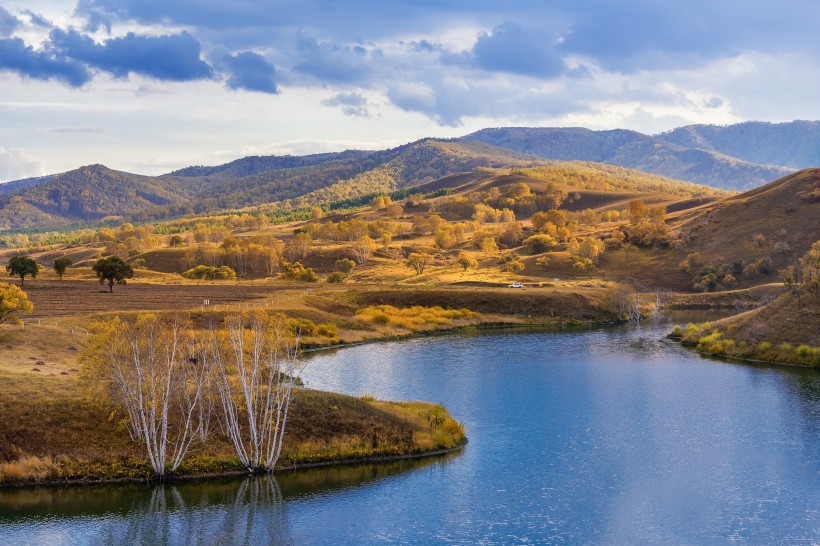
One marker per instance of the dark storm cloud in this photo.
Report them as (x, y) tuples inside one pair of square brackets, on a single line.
[(621, 34), (518, 50), (405, 49), (167, 57), (16, 56), (250, 71)]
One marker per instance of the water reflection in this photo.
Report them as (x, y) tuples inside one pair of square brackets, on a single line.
[(249, 510)]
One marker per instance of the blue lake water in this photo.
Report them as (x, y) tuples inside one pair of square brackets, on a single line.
[(604, 436)]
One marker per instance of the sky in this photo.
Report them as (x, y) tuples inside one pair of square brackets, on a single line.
[(149, 86)]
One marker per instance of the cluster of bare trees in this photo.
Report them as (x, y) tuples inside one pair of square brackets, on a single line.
[(172, 381)]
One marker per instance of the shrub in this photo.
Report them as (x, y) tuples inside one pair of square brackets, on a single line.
[(692, 333), (208, 273), (539, 243), (710, 343), (804, 352), (345, 265), (336, 277), (297, 272), (327, 329), (514, 266), (582, 265), (305, 327), (414, 318)]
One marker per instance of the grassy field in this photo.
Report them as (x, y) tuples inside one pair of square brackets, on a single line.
[(51, 431)]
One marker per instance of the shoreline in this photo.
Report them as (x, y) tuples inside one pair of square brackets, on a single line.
[(497, 325), (296, 467), (739, 359)]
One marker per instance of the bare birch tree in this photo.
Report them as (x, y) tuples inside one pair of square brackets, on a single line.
[(255, 367), (153, 373)]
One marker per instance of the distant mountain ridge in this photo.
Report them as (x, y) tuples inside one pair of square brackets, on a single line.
[(730, 157), (93, 192), (740, 156)]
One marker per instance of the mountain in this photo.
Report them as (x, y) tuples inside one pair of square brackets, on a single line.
[(87, 194), (21, 185), (93, 192), (795, 144), (684, 155)]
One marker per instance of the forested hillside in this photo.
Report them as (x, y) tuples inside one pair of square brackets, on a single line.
[(89, 193), (94, 192)]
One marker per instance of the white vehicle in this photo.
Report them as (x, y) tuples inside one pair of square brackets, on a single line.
[(516, 285)]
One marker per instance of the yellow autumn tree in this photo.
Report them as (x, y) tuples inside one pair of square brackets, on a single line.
[(13, 301)]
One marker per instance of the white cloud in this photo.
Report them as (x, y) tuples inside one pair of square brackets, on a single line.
[(16, 164)]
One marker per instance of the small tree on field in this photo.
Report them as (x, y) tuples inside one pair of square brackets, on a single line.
[(467, 261), (23, 266), (316, 213), (489, 246), (60, 265), (394, 210), (12, 302), (540, 243), (176, 241), (418, 261), (345, 265), (113, 270), (363, 249)]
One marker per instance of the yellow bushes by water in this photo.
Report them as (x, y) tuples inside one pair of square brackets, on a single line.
[(415, 318)]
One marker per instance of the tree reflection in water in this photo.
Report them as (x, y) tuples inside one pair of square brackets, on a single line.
[(256, 515)]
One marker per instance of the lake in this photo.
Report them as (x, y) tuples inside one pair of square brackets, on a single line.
[(596, 436)]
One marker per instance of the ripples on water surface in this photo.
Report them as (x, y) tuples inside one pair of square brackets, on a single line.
[(599, 436)]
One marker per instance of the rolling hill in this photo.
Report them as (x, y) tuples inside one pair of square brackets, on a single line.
[(778, 221), (633, 150)]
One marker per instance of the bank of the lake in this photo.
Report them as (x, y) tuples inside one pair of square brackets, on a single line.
[(50, 436)]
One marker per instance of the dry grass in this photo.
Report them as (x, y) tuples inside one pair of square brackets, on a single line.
[(724, 231), (28, 469), (50, 431), (416, 318)]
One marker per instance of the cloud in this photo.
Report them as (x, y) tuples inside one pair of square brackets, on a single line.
[(37, 19), (352, 104), (512, 48), (252, 72), (169, 57), (74, 130), (8, 23), (335, 63), (16, 56), (16, 164)]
